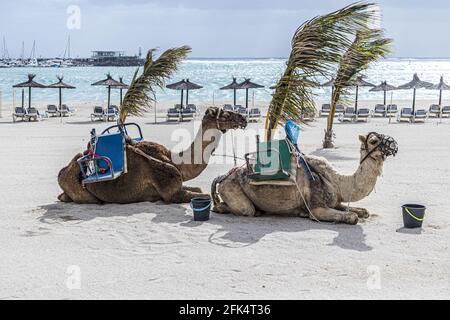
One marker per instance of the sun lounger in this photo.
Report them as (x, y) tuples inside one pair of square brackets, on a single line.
[(64, 112), (325, 110), (362, 115), (187, 114), (237, 107), (32, 114), (340, 109), (110, 114), (107, 160), (254, 115), (379, 111), (228, 107), (97, 114), (242, 111), (52, 110), (173, 114), (445, 112), (348, 115), (193, 107), (434, 111), (405, 115), (391, 110), (19, 113), (420, 115)]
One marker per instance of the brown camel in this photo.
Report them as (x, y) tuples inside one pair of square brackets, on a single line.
[(323, 198), (154, 172)]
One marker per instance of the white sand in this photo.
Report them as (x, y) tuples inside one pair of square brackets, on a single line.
[(151, 250)]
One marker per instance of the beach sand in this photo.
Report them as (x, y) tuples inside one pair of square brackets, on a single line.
[(156, 251)]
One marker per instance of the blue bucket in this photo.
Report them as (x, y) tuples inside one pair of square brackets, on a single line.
[(413, 215), (201, 208)]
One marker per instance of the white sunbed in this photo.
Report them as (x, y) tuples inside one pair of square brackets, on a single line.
[(324, 110), (434, 111), (420, 115), (362, 115), (97, 114), (405, 115), (254, 115), (19, 113), (391, 110), (445, 112), (379, 111), (348, 115)]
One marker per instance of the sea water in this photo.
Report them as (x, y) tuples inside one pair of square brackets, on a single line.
[(215, 73)]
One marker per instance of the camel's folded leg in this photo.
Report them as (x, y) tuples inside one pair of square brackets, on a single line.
[(333, 215), (193, 189), (185, 196), (361, 212), (234, 199), (63, 197)]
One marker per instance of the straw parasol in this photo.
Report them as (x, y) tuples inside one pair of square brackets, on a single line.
[(440, 86), (247, 84), (110, 83), (184, 85), (121, 88), (29, 84), (415, 84), (383, 86), (60, 85), (232, 86), (360, 82)]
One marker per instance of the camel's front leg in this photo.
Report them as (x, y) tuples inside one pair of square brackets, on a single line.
[(185, 196), (333, 215), (234, 199), (361, 212)]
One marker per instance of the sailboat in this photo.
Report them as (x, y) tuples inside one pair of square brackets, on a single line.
[(33, 62)]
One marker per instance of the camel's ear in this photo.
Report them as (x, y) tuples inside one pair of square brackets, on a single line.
[(362, 138)]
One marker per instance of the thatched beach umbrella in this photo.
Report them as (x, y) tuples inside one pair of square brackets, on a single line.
[(60, 85), (247, 84), (415, 84), (184, 85), (121, 88), (360, 82), (110, 83), (383, 86), (440, 86), (28, 84), (232, 86)]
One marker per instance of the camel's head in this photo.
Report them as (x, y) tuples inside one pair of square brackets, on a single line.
[(224, 120), (377, 146)]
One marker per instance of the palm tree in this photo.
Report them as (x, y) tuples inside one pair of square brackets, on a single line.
[(368, 46), (141, 93), (317, 47)]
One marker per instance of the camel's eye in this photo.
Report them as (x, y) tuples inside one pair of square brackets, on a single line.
[(226, 114), (373, 141)]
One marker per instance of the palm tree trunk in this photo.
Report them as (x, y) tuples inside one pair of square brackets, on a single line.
[(328, 139)]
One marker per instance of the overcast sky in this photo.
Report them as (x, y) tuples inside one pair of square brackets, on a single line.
[(225, 28)]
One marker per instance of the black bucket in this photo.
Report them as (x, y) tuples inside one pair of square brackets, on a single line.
[(413, 215), (201, 208)]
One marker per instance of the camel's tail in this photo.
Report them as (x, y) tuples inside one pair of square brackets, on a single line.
[(214, 193)]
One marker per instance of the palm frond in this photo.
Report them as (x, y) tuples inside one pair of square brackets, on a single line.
[(141, 93), (368, 46), (317, 47)]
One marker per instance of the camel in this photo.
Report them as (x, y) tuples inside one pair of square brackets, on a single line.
[(154, 172), (322, 199)]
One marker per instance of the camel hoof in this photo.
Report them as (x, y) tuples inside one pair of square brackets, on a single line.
[(351, 218), (63, 197), (363, 214)]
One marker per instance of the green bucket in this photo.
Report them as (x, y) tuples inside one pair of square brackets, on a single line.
[(413, 215)]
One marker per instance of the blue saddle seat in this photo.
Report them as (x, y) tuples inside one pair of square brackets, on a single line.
[(109, 158)]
